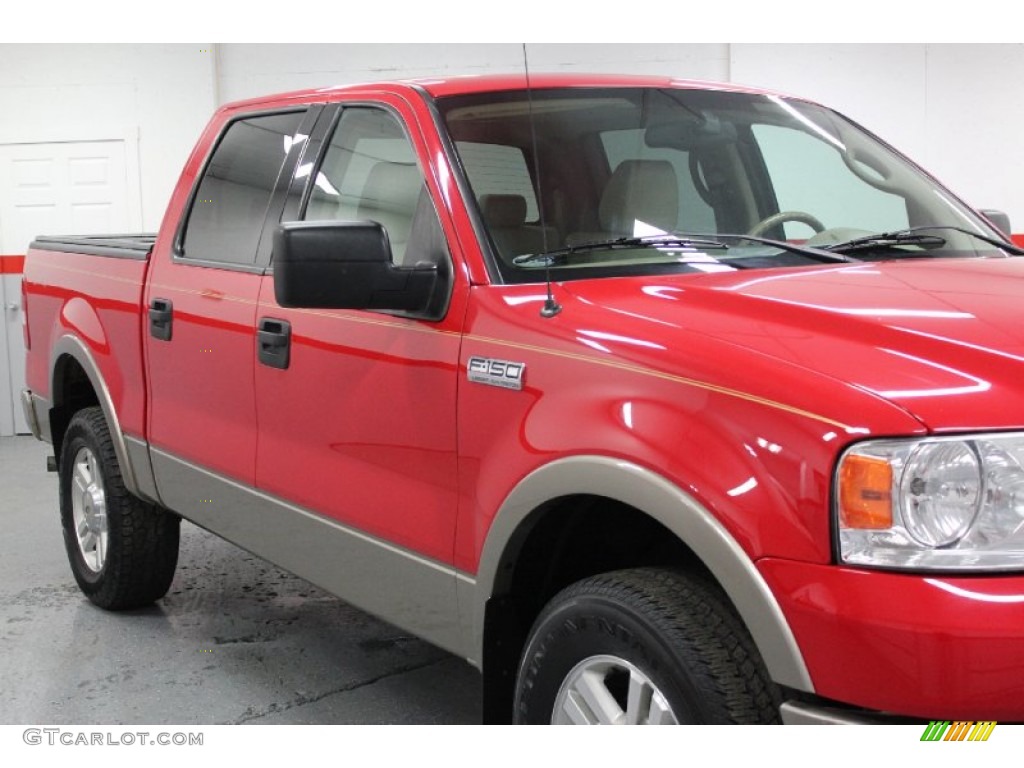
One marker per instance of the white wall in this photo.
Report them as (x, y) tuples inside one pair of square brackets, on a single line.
[(158, 96), (252, 70)]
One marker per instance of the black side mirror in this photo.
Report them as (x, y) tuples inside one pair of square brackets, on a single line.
[(345, 265), (998, 219)]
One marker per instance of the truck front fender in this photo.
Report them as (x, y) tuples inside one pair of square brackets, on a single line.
[(676, 510)]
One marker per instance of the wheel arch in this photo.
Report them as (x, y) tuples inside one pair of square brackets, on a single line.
[(656, 498), (70, 363)]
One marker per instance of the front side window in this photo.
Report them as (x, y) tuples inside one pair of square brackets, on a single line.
[(370, 173), (230, 203)]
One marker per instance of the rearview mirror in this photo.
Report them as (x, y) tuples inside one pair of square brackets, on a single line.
[(999, 219), (690, 136), (345, 265)]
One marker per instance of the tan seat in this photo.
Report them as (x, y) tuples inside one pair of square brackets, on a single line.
[(505, 216), (389, 197), (645, 191)]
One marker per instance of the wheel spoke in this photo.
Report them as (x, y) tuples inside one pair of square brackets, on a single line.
[(82, 529), (574, 712), (609, 690), (638, 703), (94, 472), (101, 549), (660, 714), (591, 686), (81, 477)]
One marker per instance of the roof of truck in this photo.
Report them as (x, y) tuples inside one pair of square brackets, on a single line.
[(467, 84)]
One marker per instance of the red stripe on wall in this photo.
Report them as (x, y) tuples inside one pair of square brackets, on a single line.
[(12, 265), (1018, 240)]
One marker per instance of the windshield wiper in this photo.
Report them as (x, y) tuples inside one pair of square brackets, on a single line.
[(913, 236), (1000, 244), (886, 240), (697, 242), (561, 255), (814, 253)]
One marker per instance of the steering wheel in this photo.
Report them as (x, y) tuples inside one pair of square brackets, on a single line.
[(783, 216)]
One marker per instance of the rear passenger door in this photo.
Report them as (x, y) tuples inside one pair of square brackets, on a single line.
[(201, 298)]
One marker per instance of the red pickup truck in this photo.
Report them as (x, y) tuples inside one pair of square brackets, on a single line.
[(657, 401)]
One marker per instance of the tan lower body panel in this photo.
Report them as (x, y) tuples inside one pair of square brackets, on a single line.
[(401, 587)]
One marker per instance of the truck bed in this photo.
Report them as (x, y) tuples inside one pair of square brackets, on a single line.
[(92, 308), (130, 246)]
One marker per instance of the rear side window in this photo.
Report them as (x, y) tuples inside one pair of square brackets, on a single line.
[(497, 169), (230, 204)]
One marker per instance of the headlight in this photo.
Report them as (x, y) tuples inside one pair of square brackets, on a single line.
[(934, 503)]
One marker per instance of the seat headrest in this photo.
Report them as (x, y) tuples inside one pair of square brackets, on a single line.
[(640, 190), (391, 187), (503, 210)]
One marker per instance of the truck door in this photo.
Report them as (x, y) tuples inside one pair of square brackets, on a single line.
[(201, 299), (357, 416)]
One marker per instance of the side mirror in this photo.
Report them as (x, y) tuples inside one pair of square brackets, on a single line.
[(998, 219), (345, 265)]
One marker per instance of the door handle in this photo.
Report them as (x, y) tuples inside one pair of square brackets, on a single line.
[(273, 342), (161, 319)]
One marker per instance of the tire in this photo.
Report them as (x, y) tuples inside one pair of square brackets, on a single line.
[(643, 646), (123, 551)]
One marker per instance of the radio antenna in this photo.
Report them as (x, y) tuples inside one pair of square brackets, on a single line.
[(551, 307)]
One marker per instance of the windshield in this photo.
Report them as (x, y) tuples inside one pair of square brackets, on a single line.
[(623, 165)]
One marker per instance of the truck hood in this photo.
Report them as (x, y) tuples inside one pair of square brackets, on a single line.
[(941, 338)]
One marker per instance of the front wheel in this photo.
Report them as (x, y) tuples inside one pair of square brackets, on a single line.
[(644, 646), (122, 551)]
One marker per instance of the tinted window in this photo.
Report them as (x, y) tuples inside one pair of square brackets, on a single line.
[(632, 162), (695, 214), (496, 169), (370, 173), (808, 174), (231, 201)]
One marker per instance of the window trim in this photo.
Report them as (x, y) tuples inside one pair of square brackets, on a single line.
[(255, 267)]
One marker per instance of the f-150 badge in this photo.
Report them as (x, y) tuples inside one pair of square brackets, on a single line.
[(497, 373)]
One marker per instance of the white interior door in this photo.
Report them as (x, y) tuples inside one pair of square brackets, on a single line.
[(66, 188)]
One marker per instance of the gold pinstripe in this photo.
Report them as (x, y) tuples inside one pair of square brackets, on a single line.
[(645, 371)]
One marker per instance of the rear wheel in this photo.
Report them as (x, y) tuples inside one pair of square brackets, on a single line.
[(642, 647), (122, 551)]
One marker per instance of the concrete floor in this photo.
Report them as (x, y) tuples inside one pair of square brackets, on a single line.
[(236, 640)]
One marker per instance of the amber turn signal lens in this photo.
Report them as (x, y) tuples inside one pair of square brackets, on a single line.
[(865, 493)]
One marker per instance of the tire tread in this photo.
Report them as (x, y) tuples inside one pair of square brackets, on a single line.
[(699, 627)]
